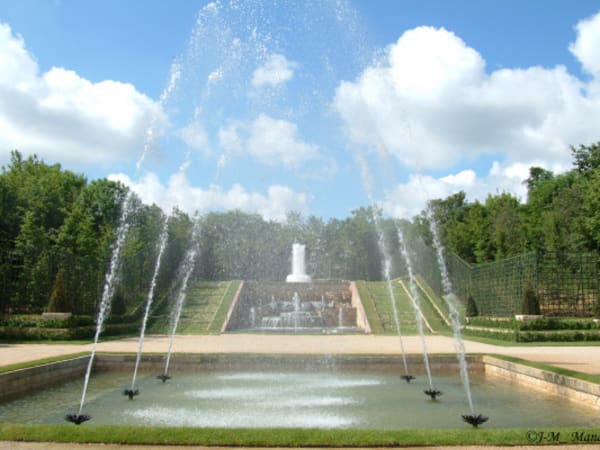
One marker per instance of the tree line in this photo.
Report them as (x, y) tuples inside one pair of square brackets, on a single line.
[(57, 230), (561, 214)]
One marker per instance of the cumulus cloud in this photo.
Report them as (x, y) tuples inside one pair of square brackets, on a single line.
[(178, 191), (62, 116), (272, 142), (276, 70), (410, 198), (586, 46), (431, 103)]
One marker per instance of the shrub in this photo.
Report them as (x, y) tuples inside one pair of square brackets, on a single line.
[(472, 310), (531, 303)]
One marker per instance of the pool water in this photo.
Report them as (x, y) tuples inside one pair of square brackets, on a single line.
[(296, 399)]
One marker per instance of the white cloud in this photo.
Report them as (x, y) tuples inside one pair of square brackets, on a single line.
[(64, 117), (273, 205), (276, 70), (409, 199), (585, 48), (432, 105), (272, 142)]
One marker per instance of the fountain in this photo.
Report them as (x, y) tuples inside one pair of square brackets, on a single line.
[(323, 307), (414, 297), (107, 295), (77, 419), (187, 266), (298, 274), (340, 392), (301, 305), (387, 260), (459, 346), (131, 392)]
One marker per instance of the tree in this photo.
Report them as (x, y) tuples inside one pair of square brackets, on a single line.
[(586, 158)]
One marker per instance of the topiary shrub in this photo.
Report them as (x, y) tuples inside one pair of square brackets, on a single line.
[(472, 310), (531, 303)]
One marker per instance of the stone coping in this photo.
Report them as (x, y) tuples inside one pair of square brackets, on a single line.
[(554, 383)]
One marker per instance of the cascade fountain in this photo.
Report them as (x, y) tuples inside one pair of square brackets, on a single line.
[(107, 295), (471, 418), (298, 274), (132, 391), (186, 269)]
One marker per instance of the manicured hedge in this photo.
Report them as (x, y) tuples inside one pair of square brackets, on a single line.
[(552, 323), (491, 334), (558, 336), (63, 334), (36, 321), (536, 336), (492, 322)]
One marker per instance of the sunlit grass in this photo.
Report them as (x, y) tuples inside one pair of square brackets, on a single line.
[(259, 437)]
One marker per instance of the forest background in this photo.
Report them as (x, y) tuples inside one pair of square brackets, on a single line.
[(57, 231)]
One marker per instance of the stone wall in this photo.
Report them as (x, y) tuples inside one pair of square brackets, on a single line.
[(18, 382), (569, 388)]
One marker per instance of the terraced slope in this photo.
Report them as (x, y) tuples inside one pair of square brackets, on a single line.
[(384, 310), (204, 310), (380, 311)]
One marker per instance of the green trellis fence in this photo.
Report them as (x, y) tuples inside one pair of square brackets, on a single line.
[(566, 284)]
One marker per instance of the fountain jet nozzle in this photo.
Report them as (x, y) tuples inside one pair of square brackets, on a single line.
[(475, 420), (407, 378), (131, 393), (163, 377), (77, 419), (433, 393)]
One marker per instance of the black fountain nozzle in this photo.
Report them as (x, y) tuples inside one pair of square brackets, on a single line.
[(164, 377), (475, 420), (77, 419), (433, 393), (407, 378), (131, 393)]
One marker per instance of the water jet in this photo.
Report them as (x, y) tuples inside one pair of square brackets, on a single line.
[(298, 274)]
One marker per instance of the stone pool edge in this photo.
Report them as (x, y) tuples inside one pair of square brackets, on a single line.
[(564, 386), (20, 381)]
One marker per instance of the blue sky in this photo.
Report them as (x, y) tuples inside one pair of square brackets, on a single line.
[(314, 106)]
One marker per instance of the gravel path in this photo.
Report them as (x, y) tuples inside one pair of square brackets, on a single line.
[(583, 359)]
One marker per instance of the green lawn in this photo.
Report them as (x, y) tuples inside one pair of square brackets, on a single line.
[(88, 433)]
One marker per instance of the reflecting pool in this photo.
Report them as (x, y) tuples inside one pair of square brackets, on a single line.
[(297, 399)]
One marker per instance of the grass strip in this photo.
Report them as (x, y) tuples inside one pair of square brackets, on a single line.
[(39, 362), (283, 437), (554, 369)]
